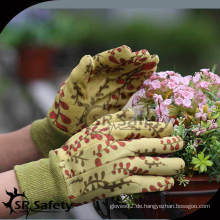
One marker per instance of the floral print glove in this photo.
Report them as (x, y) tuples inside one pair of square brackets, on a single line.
[(97, 85), (115, 155)]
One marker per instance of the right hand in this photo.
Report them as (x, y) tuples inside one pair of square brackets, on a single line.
[(117, 155)]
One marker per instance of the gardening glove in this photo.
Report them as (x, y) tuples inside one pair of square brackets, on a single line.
[(113, 156), (96, 86)]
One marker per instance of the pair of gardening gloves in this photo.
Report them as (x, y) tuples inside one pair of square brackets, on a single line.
[(93, 149)]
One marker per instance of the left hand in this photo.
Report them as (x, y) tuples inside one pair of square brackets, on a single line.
[(96, 86), (99, 85)]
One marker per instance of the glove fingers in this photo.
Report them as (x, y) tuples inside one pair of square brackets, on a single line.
[(107, 119), (121, 166), (147, 184), (147, 64), (82, 71), (144, 165), (134, 150), (123, 71), (120, 116), (114, 134), (125, 130), (129, 185), (112, 57), (123, 55), (153, 146), (103, 123), (114, 175)]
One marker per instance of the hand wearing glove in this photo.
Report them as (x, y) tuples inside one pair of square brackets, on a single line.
[(96, 86), (113, 156)]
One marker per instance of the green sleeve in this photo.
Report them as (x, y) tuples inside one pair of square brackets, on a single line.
[(46, 136), (42, 181)]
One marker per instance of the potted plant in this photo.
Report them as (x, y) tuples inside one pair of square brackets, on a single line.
[(192, 104)]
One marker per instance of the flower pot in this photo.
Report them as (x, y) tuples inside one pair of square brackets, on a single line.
[(35, 63), (177, 202)]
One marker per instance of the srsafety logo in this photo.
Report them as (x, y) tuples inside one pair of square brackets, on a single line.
[(16, 205), (22, 205)]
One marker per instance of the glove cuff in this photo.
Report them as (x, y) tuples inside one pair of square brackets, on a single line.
[(46, 136), (42, 181)]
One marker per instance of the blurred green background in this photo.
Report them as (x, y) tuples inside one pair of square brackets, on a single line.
[(185, 40), (39, 48), (45, 44)]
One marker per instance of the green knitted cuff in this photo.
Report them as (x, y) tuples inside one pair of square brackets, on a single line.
[(46, 136), (42, 181)]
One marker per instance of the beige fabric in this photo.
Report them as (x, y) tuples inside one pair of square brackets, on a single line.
[(99, 85), (114, 156), (96, 86)]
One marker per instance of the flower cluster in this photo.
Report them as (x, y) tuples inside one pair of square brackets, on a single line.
[(174, 95), (192, 103)]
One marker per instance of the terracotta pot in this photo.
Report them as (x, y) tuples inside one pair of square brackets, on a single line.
[(35, 63), (177, 202)]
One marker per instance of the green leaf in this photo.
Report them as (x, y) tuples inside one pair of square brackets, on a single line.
[(195, 160), (209, 163), (214, 68), (203, 168), (197, 165), (207, 157), (201, 156), (218, 122)]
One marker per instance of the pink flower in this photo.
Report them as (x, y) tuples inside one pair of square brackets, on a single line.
[(164, 109), (200, 98), (157, 110), (146, 83), (213, 126), (136, 98), (171, 85), (167, 101), (163, 85), (162, 75), (155, 84), (196, 78), (187, 103), (179, 101), (199, 131), (157, 98), (186, 80), (217, 80), (170, 73), (205, 70), (154, 76), (201, 106), (201, 115), (203, 85), (141, 92), (211, 75), (175, 79), (186, 94)]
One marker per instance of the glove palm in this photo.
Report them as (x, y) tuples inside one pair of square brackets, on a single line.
[(96, 86)]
